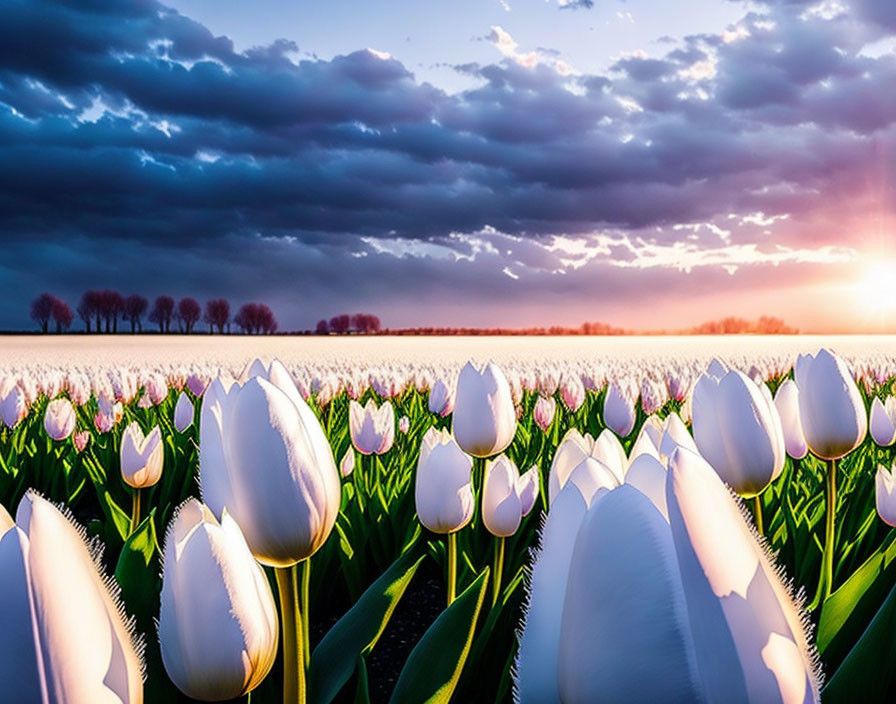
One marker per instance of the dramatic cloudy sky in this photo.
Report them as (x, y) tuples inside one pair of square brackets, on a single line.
[(648, 163)]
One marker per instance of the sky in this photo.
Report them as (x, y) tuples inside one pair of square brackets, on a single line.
[(646, 163)]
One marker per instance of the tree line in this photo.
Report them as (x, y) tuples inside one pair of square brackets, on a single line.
[(102, 310)]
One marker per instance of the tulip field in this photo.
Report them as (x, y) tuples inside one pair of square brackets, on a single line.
[(663, 524)]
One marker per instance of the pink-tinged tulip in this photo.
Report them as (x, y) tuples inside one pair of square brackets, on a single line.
[(59, 419), (441, 399), (103, 423), (81, 439), (196, 385), (545, 409), (787, 401), (883, 421), (62, 636), (264, 456), (141, 456), (738, 431), (572, 393), (831, 407), (347, 463), (218, 628), (484, 420), (12, 407), (885, 495), (372, 429), (442, 489), (404, 424), (619, 411), (183, 413)]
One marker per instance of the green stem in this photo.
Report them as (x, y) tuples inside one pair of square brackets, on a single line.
[(291, 627), (757, 514), (452, 567), (498, 569), (135, 511), (306, 584), (828, 559)]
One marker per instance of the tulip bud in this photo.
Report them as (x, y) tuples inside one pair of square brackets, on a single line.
[(619, 412), (347, 464), (575, 449), (404, 424), (141, 456), (442, 490), (528, 487), (59, 419), (372, 429), (218, 628), (787, 401), (12, 407), (502, 508), (883, 421), (81, 439), (831, 407), (738, 431), (572, 392), (183, 413), (441, 399), (265, 457), (62, 634), (545, 408), (484, 420), (885, 495), (103, 423)]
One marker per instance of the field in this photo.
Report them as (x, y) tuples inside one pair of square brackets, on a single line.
[(379, 522)]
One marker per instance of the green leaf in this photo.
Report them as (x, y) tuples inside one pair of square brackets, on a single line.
[(436, 662), (334, 659), (868, 674), (137, 572), (117, 516), (848, 610)]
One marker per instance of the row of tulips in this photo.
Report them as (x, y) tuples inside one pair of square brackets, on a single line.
[(650, 579)]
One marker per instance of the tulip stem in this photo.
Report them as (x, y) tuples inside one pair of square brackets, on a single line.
[(757, 514), (306, 585), (828, 558), (498, 569), (291, 623), (135, 511), (452, 567)]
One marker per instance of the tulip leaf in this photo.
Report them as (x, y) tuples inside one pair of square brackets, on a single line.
[(868, 674), (137, 572), (848, 610), (334, 659), (436, 662), (117, 516)]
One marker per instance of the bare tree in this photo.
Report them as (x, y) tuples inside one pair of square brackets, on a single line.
[(42, 309)]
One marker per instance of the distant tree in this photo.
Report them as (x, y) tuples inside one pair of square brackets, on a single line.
[(255, 318), (62, 315), (91, 305), (322, 327), (365, 322), (217, 314), (188, 313), (340, 323), (134, 308), (115, 306), (85, 311), (42, 309), (161, 313)]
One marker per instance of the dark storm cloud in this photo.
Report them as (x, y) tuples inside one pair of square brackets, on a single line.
[(132, 134)]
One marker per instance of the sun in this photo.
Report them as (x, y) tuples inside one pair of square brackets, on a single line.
[(876, 290)]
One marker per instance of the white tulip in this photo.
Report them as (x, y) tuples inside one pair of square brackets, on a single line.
[(883, 421), (12, 407), (619, 411), (502, 496), (183, 413), (831, 408), (787, 401), (372, 429), (59, 419), (443, 492), (218, 628), (441, 399), (885, 495), (484, 419), (264, 456), (347, 463), (62, 636), (141, 456)]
